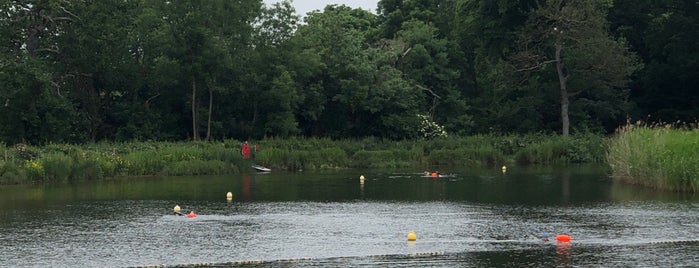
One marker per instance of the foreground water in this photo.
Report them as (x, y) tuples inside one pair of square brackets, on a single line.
[(473, 218)]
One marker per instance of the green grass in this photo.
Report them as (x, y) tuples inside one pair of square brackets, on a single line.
[(95, 161), (661, 157)]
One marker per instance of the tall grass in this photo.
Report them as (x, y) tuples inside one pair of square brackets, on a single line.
[(658, 156), (67, 162)]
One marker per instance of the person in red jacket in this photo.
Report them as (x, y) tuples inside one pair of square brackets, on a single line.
[(245, 151)]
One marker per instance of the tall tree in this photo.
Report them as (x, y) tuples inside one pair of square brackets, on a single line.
[(97, 64), (573, 36), (430, 59), (34, 105), (361, 91), (200, 40), (272, 85), (486, 32)]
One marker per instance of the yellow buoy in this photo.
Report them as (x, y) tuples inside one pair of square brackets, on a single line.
[(361, 179), (412, 236), (176, 209), (504, 169), (229, 196)]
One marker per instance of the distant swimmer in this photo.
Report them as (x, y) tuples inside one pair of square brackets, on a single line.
[(545, 237), (176, 210), (431, 174)]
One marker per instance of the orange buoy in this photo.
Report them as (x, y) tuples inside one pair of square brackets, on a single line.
[(563, 238), (191, 214), (435, 174)]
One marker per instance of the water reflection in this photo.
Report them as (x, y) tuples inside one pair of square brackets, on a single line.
[(246, 187), (563, 253)]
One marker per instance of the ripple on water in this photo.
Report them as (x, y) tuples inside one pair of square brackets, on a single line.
[(354, 233)]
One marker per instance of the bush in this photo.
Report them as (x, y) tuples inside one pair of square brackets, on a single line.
[(34, 170), (10, 173), (58, 166)]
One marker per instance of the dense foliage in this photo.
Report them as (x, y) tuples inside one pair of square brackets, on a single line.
[(136, 70)]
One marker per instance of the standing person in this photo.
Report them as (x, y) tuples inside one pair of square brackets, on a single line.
[(245, 151)]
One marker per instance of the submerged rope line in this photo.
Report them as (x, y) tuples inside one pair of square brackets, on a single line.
[(692, 241), (247, 262)]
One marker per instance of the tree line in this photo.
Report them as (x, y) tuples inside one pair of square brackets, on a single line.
[(118, 70)]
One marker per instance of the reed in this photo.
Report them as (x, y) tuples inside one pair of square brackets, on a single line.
[(105, 159), (382, 159), (658, 156), (552, 150)]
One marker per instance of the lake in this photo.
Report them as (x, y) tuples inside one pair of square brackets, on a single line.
[(469, 218)]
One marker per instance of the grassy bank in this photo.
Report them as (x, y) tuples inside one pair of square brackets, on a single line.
[(661, 157), (66, 163)]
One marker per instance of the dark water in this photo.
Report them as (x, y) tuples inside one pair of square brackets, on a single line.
[(473, 218)]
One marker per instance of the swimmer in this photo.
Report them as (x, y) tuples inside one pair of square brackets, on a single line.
[(545, 237), (176, 210)]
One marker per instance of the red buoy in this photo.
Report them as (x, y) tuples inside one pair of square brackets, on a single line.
[(191, 214), (563, 238)]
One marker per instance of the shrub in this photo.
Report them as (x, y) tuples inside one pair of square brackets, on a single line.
[(34, 170), (10, 172), (58, 166)]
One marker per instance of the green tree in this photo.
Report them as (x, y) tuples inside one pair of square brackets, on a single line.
[(196, 46), (486, 32), (664, 35), (430, 59), (96, 63), (271, 86), (590, 66), (35, 107), (361, 91)]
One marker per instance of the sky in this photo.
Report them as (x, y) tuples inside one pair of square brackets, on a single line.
[(305, 6)]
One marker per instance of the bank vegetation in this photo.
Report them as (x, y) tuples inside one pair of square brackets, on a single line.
[(71, 163), (660, 156)]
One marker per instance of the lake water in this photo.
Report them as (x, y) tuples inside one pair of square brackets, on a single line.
[(471, 218)]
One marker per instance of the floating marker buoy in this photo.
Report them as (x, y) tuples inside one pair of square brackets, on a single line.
[(412, 236), (504, 169), (563, 238), (361, 178), (176, 209), (229, 196), (191, 214)]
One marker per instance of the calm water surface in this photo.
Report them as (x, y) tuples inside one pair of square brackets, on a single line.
[(473, 218)]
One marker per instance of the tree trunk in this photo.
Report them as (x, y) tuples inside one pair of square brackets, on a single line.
[(562, 79), (211, 108), (195, 133)]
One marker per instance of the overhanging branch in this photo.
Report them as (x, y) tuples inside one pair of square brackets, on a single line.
[(539, 66)]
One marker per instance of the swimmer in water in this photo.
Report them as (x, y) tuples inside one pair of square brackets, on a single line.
[(176, 210), (545, 237)]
